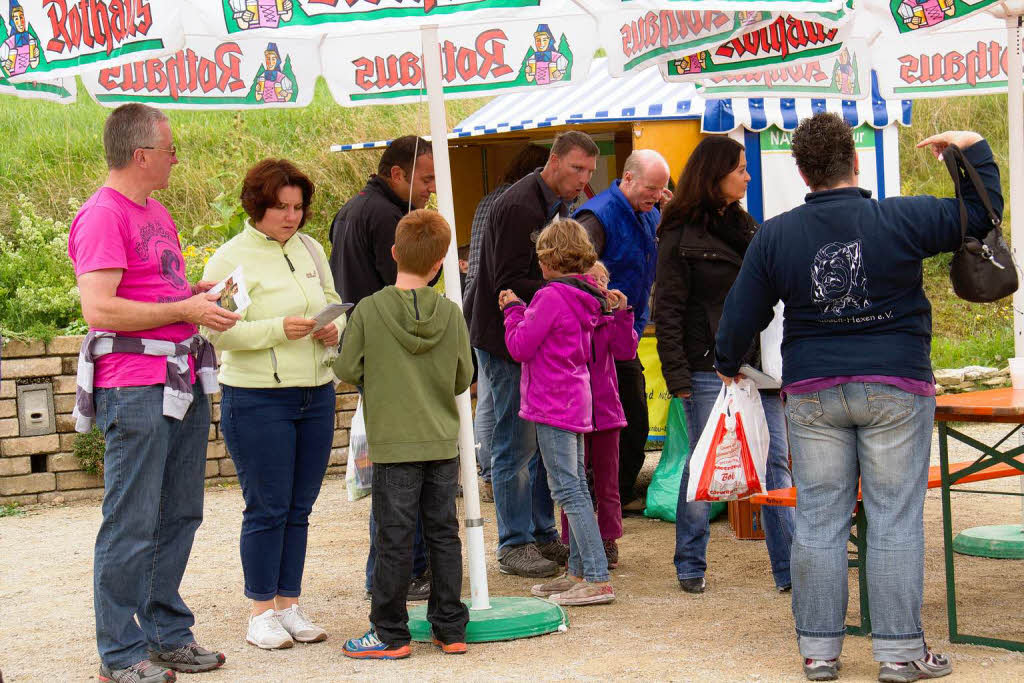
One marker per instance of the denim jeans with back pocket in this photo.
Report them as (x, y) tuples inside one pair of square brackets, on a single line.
[(882, 435)]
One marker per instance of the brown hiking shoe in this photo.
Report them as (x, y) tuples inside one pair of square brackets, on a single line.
[(486, 491), (559, 585), (611, 551), (556, 551), (526, 560)]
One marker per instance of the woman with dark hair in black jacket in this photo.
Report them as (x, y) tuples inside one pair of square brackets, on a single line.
[(703, 235)]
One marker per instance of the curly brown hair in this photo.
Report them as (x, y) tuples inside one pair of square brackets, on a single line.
[(564, 246), (824, 150), (263, 182)]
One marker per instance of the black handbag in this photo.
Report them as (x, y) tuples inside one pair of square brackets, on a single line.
[(982, 270)]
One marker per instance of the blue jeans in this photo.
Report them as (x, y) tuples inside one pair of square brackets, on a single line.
[(153, 471), (280, 442), (692, 519), (483, 420), (522, 501), (883, 435), (563, 455)]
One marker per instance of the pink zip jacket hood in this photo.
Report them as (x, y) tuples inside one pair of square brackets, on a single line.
[(553, 338)]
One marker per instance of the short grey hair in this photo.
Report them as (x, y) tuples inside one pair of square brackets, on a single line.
[(640, 161), (128, 128)]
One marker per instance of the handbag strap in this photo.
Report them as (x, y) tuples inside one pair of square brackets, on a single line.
[(959, 170), (307, 242)]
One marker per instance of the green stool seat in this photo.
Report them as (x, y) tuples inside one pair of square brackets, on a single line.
[(1003, 541), (507, 619)]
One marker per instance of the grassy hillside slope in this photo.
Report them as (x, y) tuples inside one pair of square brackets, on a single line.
[(53, 155)]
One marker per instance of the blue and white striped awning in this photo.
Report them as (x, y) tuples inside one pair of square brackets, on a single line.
[(758, 113), (644, 96)]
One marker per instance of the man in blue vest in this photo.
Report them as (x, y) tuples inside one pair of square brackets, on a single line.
[(622, 222)]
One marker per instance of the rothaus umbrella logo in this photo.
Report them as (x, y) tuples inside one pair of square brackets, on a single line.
[(838, 281), (915, 14), (20, 51), (272, 85), (252, 14), (547, 64)]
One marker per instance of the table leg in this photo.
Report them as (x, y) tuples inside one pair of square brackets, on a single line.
[(947, 532), (859, 539)]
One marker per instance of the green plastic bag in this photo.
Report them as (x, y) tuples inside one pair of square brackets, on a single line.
[(663, 493)]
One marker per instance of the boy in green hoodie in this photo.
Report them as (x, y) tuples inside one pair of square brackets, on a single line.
[(408, 349)]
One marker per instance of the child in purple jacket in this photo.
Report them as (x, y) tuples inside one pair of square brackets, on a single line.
[(553, 339), (614, 340)]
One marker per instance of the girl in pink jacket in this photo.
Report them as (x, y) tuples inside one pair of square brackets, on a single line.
[(553, 339), (614, 340)]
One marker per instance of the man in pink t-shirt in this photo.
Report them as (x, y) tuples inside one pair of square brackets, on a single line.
[(131, 275)]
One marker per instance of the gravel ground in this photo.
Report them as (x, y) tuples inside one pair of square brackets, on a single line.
[(740, 630)]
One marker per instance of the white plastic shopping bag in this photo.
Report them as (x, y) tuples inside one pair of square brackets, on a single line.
[(359, 471), (731, 456), (771, 344)]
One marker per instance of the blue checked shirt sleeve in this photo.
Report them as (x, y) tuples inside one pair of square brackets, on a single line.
[(476, 238)]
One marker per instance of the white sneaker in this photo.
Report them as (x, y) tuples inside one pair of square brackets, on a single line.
[(266, 632), (299, 626)]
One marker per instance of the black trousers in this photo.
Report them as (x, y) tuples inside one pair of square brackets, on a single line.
[(401, 491), (633, 437)]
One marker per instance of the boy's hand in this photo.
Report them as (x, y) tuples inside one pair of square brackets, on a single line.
[(296, 327), (506, 297)]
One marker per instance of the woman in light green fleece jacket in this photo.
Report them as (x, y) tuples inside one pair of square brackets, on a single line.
[(277, 386)]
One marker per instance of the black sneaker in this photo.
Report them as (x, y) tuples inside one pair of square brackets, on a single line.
[(526, 560), (419, 588), (821, 669), (189, 659), (139, 672), (556, 551), (695, 585)]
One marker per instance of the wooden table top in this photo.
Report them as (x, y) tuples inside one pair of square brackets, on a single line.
[(993, 405)]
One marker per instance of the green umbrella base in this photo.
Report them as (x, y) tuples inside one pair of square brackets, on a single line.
[(1003, 541), (507, 619)]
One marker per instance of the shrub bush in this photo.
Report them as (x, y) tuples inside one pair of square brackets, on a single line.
[(38, 293), (89, 449)]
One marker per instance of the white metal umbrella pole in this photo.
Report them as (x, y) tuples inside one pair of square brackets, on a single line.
[(1015, 112), (446, 203), (1013, 11)]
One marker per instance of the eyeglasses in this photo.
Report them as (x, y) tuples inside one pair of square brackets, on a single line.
[(173, 151)]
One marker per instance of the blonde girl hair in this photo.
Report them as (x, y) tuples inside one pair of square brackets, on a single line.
[(565, 247)]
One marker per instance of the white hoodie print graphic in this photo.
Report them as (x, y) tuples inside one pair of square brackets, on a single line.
[(838, 280)]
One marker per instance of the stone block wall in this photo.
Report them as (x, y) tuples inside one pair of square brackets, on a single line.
[(44, 469), (971, 378)]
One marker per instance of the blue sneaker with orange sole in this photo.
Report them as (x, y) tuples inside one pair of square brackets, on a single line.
[(372, 647)]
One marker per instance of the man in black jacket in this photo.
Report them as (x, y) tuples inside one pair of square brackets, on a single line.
[(527, 541), (363, 231), (362, 235)]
